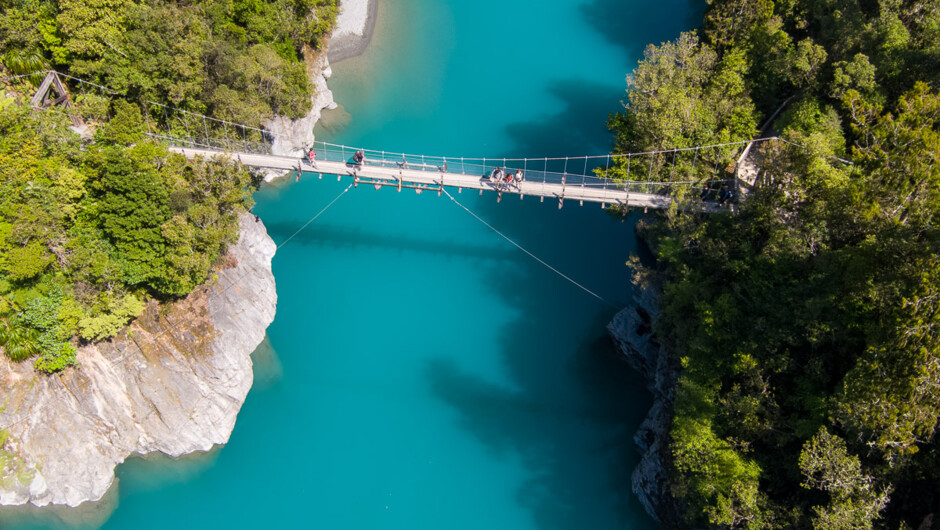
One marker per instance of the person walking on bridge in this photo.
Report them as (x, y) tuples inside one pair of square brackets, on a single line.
[(725, 195), (312, 158)]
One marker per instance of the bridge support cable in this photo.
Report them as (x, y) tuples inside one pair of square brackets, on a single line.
[(533, 256), (234, 283), (314, 218)]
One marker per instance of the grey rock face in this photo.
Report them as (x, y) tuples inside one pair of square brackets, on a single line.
[(631, 328), (173, 382), (292, 137)]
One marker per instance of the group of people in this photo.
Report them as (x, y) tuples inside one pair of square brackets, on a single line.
[(725, 194), (358, 158), (504, 179)]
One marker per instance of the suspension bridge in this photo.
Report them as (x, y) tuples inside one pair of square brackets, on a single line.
[(433, 174), (656, 175)]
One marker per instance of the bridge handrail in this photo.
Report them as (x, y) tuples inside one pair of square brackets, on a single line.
[(568, 180), (581, 171)]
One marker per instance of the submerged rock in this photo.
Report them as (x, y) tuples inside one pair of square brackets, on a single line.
[(173, 382)]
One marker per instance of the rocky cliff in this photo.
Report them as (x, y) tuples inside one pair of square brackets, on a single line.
[(632, 330), (173, 382), (293, 137)]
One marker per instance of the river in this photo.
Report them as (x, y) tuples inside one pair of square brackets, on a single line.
[(422, 372)]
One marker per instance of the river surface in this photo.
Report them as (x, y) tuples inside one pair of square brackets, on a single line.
[(423, 373)]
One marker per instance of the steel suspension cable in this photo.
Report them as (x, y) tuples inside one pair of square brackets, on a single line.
[(236, 281), (533, 256), (314, 218)]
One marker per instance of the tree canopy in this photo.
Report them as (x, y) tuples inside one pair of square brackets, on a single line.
[(88, 233), (806, 324), (240, 60)]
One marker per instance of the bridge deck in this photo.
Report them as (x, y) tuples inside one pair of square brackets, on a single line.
[(422, 179)]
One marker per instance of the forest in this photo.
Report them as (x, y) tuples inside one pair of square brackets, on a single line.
[(805, 328), (93, 228)]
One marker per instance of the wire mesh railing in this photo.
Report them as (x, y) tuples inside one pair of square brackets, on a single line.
[(655, 172), (684, 167)]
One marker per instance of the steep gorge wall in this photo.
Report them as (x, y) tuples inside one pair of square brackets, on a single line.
[(293, 137), (173, 382), (631, 329)]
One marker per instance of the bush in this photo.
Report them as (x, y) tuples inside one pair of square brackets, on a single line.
[(109, 322)]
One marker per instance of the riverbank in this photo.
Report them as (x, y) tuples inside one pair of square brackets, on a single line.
[(350, 37), (354, 28), (173, 383)]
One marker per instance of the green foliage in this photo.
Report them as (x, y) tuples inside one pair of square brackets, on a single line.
[(808, 117), (806, 324), (92, 107), (827, 465), (92, 26), (86, 235), (23, 263), (189, 55), (19, 342), (682, 95), (42, 314), (805, 60), (857, 74), (55, 357), (114, 315), (126, 127)]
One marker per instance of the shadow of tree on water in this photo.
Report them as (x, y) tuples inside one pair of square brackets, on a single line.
[(569, 416), (577, 130), (629, 25)]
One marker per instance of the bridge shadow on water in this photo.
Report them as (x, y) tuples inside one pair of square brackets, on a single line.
[(343, 236)]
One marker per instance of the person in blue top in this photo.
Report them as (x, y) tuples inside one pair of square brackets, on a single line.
[(725, 195)]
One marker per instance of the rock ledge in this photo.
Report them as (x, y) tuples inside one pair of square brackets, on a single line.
[(631, 329), (173, 382)]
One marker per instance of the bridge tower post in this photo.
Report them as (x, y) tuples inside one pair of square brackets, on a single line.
[(186, 123), (442, 168), (228, 145)]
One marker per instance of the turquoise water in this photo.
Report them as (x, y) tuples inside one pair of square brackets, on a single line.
[(423, 373)]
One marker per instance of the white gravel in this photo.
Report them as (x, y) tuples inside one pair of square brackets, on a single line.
[(353, 31), (352, 19)]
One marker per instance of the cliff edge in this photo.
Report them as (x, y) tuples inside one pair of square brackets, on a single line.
[(173, 382), (632, 330)]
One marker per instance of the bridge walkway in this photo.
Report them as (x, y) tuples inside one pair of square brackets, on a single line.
[(385, 173)]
